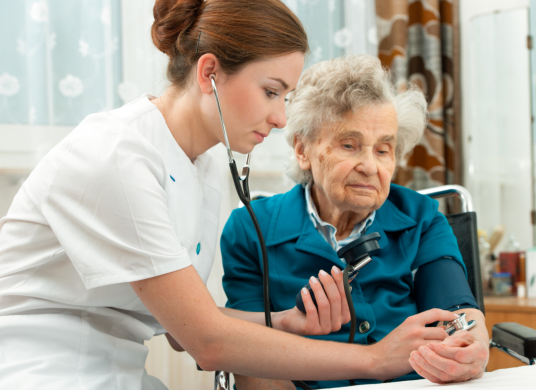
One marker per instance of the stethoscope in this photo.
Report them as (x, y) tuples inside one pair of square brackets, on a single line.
[(241, 183), (357, 253)]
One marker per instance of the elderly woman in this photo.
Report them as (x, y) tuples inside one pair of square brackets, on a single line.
[(349, 128)]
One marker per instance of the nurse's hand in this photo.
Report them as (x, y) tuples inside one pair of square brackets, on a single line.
[(406, 338), (332, 310)]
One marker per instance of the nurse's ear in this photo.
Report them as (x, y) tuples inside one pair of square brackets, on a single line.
[(206, 65)]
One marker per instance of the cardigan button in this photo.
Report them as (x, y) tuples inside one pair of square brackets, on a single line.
[(364, 327)]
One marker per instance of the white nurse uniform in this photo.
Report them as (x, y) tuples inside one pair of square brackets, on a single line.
[(116, 201)]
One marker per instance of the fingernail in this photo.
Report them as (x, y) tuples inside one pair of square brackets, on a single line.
[(313, 280), (457, 315), (423, 350), (305, 291), (415, 355), (323, 273), (336, 269)]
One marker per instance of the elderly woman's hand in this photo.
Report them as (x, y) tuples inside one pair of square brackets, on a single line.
[(460, 357), (409, 336), (332, 310)]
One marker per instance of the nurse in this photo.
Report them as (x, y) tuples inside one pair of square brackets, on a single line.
[(111, 239)]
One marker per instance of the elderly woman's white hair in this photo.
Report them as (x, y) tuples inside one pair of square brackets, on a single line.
[(330, 89)]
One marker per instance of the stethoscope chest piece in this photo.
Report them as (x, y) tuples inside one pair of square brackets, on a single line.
[(459, 323)]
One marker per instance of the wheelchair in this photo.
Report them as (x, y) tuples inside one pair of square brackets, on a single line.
[(514, 339)]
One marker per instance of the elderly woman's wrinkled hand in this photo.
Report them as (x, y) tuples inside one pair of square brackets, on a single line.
[(409, 336), (332, 310), (458, 358)]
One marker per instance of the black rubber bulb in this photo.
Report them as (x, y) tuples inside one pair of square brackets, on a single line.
[(352, 253)]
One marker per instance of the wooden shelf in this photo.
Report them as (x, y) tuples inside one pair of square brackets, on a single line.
[(510, 304)]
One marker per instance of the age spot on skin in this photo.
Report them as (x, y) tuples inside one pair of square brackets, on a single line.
[(327, 161), (322, 156)]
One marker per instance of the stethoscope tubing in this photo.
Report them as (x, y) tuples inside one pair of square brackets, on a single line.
[(242, 190)]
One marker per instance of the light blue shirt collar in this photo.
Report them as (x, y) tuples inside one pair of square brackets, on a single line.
[(329, 231)]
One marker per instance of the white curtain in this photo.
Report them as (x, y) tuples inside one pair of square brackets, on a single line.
[(60, 61)]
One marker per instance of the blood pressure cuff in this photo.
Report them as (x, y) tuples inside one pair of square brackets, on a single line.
[(442, 284)]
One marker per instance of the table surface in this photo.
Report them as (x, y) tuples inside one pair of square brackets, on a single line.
[(512, 378)]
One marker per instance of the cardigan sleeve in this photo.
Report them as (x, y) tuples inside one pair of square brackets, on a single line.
[(242, 279), (442, 284), (437, 239)]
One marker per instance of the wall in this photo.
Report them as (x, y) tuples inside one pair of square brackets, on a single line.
[(496, 114)]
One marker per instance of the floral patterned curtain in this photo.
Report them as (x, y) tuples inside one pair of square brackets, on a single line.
[(418, 42), (61, 60)]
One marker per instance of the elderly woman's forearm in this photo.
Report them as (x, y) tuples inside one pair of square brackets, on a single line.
[(255, 317), (249, 383), (479, 331), (250, 316)]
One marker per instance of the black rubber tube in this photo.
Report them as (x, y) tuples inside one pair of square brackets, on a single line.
[(265, 276), (348, 294), (243, 194)]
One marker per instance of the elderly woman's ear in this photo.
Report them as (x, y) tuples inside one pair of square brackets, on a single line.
[(300, 150)]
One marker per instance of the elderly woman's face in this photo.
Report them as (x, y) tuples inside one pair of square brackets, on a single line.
[(352, 163)]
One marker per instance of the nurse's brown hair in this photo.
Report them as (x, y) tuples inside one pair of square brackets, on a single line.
[(235, 31)]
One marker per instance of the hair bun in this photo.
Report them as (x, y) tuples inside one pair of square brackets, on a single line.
[(171, 18)]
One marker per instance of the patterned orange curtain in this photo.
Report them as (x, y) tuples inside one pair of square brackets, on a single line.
[(418, 42)]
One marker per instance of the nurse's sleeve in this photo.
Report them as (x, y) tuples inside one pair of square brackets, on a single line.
[(242, 279), (106, 204)]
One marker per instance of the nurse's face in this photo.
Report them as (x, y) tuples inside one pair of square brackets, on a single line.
[(253, 100)]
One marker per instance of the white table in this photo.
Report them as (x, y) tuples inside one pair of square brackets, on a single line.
[(511, 378)]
